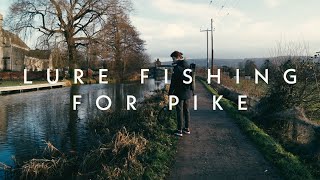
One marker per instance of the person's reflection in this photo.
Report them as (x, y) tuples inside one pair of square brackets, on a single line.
[(157, 83), (72, 130), (118, 98)]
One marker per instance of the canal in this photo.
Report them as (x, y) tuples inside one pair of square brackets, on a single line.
[(30, 119)]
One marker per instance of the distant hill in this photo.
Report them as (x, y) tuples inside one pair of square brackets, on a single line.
[(257, 61), (231, 62), (221, 62)]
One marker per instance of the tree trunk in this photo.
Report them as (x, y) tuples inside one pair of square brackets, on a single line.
[(71, 55)]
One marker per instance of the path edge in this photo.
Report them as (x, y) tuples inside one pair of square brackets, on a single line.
[(289, 165)]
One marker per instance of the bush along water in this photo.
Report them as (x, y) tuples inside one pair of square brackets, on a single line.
[(133, 145), (291, 112)]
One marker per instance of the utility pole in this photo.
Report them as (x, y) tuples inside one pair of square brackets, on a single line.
[(211, 30), (212, 45), (207, 45)]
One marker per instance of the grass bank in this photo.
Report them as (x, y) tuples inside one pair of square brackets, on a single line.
[(133, 145), (290, 167), (19, 83)]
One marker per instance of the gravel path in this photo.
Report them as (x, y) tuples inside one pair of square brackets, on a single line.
[(216, 148)]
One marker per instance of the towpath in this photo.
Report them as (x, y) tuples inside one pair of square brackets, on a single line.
[(216, 148)]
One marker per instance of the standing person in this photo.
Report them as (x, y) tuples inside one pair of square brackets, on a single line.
[(182, 91)]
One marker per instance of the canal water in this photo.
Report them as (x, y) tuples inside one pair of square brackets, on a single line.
[(30, 119)]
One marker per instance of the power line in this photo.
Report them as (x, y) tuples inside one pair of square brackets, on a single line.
[(233, 5), (223, 7), (220, 6), (220, 17), (236, 2), (226, 5)]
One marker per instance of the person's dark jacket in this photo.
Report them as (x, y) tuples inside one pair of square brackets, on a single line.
[(177, 87)]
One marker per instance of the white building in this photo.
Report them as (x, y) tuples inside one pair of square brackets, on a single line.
[(15, 55)]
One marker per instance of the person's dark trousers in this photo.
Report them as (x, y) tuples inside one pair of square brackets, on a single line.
[(183, 113)]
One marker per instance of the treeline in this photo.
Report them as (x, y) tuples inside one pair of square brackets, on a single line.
[(279, 95), (83, 34)]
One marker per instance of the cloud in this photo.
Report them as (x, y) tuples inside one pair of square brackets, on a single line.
[(272, 3), (237, 32), (4, 6), (182, 29)]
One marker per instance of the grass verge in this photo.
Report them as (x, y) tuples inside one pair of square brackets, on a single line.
[(19, 83), (290, 167), (160, 148)]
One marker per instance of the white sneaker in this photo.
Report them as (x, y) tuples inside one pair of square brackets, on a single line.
[(178, 133), (186, 131)]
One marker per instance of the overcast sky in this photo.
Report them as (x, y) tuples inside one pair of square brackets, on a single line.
[(243, 28), (252, 28)]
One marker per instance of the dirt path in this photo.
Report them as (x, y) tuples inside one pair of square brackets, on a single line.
[(216, 148)]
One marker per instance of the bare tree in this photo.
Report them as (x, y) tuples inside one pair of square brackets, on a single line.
[(123, 43), (77, 21), (305, 93)]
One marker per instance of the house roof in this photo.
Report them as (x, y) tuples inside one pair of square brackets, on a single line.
[(39, 54), (15, 39)]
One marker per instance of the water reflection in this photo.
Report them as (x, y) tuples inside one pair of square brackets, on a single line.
[(29, 119)]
